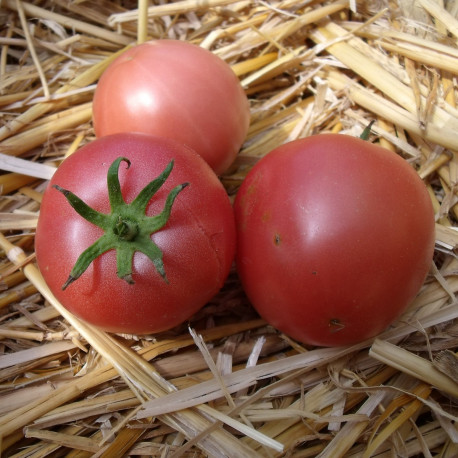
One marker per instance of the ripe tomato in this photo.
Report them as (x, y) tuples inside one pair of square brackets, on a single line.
[(175, 89), (335, 238), (197, 241)]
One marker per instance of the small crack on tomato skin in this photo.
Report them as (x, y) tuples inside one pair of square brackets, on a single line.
[(336, 325), (215, 246)]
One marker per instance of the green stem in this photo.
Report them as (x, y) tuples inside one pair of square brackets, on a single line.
[(367, 131), (125, 229)]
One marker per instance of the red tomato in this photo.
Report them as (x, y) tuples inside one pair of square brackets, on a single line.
[(335, 238), (175, 89), (197, 241)]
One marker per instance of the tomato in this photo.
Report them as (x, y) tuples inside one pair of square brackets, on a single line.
[(175, 89), (335, 238), (196, 243)]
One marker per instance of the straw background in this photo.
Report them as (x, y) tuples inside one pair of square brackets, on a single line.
[(226, 384)]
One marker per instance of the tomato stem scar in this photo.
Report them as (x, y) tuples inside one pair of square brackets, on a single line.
[(126, 228)]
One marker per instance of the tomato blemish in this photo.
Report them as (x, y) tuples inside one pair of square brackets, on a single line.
[(336, 325), (266, 216)]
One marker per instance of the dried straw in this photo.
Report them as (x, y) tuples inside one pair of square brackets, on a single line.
[(229, 385)]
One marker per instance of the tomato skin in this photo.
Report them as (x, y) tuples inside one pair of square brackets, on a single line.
[(335, 238), (198, 241), (178, 90)]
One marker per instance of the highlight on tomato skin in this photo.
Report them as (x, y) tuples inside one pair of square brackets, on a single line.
[(196, 242), (178, 90), (335, 237)]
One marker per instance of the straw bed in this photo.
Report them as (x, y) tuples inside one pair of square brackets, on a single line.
[(226, 384)]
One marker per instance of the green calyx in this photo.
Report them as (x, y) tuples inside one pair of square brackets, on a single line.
[(127, 228)]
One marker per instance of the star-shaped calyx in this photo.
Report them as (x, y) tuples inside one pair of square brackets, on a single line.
[(126, 228)]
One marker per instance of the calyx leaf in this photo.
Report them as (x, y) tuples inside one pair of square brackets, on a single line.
[(126, 228)]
